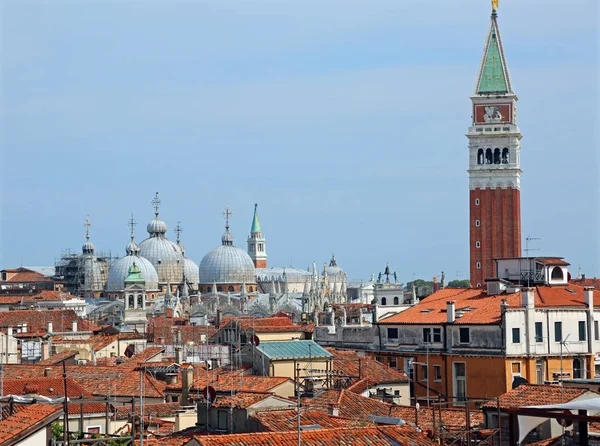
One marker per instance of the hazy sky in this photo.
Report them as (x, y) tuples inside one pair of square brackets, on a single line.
[(344, 120)]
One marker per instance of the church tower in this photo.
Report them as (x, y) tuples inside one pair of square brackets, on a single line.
[(494, 163), (257, 243)]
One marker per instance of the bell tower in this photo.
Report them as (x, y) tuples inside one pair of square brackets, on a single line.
[(257, 245), (494, 163)]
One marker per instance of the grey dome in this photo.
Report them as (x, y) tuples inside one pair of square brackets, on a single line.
[(227, 264), (191, 271), (88, 247), (95, 272), (132, 249), (156, 226), (165, 256), (120, 269), (333, 270)]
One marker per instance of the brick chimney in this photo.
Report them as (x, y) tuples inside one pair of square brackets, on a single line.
[(333, 410), (45, 350), (527, 297), (187, 380), (50, 327)]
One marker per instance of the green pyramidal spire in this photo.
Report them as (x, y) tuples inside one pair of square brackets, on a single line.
[(493, 73), (255, 222), (134, 275)]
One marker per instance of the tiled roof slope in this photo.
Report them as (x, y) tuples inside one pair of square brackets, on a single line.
[(36, 415), (37, 321), (537, 395), (50, 387), (23, 275), (450, 417), (372, 372), (150, 410), (141, 357), (41, 296), (364, 436), (350, 404), (241, 400), (241, 383), (484, 309), (281, 420), (59, 357)]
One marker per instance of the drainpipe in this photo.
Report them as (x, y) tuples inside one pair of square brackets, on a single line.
[(588, 296), (445, 357)]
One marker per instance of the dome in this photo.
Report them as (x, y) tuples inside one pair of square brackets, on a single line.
[(132, 248), (227, 264), (333, 270), (191, 271), (119, 270), (156, 226), (95, 272), (165, 256), (88, 247)]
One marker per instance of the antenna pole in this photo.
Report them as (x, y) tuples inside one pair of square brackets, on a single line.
[(298, 405)]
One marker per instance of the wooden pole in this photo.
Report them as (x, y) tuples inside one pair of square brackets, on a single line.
[(65, 406)]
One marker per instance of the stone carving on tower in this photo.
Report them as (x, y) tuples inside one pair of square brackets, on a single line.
[(494, 163)]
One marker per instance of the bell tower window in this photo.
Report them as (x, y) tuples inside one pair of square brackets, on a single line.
[(480, 156), (505, 156), (488, 156), (496, 156)]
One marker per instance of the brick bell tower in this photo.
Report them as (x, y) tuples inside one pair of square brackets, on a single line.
[(494, 164), (257, 245)]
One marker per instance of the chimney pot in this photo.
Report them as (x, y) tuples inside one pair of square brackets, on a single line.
[(333, 410), (588, 296), (451, 311), (50, 327), (74, 326), (527, 297)]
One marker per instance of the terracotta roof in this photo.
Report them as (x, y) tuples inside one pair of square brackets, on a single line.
[(50, 387), (95, 379), (23, 275), (142, 357), (166, 329), (240, 400), (451, 418), (281, 420), (59, 357), (552, 261), (476, 307), (36, 415), (32, 299), (89, 408), (537, 395), (241, 383), (360, 436), (150, 410), (37, 321), (372, 372), (350, 404)]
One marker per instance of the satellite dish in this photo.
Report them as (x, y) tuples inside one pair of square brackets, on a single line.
[(254, 340), (563, 422), (518, 381), (209, 394)]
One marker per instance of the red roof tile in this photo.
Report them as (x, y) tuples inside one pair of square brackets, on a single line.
[(281, 420), (30, 417), (24, 275), (451, 418), (50, 387), (150, 410), (240, 400), (59, 357), (350, 404), (537, 395)]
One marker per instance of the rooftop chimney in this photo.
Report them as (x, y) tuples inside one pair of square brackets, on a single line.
[(10, 331), (451, 311), (333, 410), (187, 379), (24, 327), (45, 350), (527, 297), (178, 355), (74, 327), (50, 328), (218, 322), (588, 296), (47, 371), (436, 285)]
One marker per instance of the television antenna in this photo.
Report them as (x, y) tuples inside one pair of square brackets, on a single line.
[(528, 239)]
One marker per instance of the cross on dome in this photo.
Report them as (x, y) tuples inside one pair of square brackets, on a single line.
[(156, 204), (226, 215), (132, 223), (178, 230), (87, 223)]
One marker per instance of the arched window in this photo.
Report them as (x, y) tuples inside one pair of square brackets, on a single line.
[(208, 289), (577, 368), (131, 301), (480, 156), (396, 300), (383, 301), (557, 273), (219, 288), (496, 156), (230, 289), (488, 156), (505, 156), (140, 300)]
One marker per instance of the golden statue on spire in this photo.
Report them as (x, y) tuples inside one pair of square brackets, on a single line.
[(494, 5)]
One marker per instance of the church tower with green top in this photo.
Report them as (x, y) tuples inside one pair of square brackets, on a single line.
[(494, 163)]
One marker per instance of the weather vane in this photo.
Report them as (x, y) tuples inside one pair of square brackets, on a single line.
[(131, 223), (494, 5), (87, 223), (156, 203)]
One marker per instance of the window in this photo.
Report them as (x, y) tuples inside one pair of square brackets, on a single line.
[(478, 265), (557, 331), (516, 336), (396, 300), (497, 155), (516, 368), (432, 335), (476, 201), (392, 333), (424, 373), (222, 420), (219, 288), (577, 368), (480, 156), (383, 301), (437, 373), (396, 393), (488, 156), (581, 327), (464, 337), (460, 382), (478, 285), (477, 223), (477, 244), (596, 331), (230, 289), (539, 371), (505, 156), (557, 273), (208, 289), (539, 335), (393, 363)]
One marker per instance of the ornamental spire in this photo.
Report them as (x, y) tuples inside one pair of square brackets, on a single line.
[(87, 223), (255, 222), (156, 204), (178, 231), (227, 239), (132, 223), (493, 75)]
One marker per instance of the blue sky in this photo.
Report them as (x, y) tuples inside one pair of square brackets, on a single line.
[(343, 120)]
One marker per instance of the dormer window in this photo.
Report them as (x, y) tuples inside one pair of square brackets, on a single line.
[(557, 273)]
